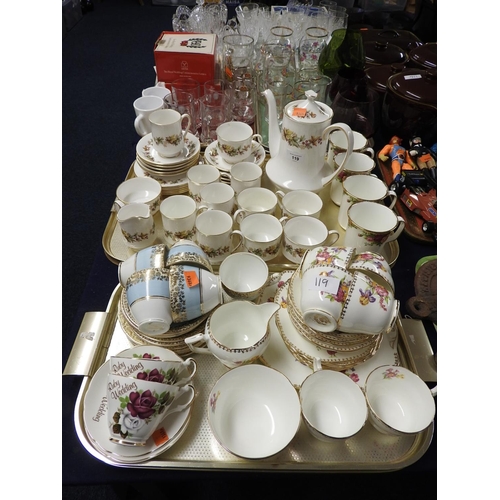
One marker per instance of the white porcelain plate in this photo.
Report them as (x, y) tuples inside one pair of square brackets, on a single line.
[(148, 153), (96, 422), (277, 355), (213, 157)]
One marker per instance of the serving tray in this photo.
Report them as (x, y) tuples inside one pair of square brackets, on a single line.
[(100, 336), (117, 251)]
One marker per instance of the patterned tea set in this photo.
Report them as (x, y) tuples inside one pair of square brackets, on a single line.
[(319, 335)]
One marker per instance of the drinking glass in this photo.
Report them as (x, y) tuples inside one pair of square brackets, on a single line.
[(184, 85), (310, 48), (238, 57)]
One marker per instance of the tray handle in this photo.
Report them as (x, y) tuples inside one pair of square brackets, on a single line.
[(90, 346)]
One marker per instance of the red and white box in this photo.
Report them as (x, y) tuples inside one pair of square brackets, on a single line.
[(185, 55)]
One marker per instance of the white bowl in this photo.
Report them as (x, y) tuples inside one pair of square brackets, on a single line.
[(333, 405), (243, 275), (254, 411), (399, 401)]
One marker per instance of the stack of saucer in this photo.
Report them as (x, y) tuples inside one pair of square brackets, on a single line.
[(171, 173), (172, 340), (335, 351)]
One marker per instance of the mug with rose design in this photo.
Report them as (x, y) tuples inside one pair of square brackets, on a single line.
[(167, 131), (136, 408), (154, 370)]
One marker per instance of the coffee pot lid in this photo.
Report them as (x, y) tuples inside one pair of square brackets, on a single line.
[(309, 110)]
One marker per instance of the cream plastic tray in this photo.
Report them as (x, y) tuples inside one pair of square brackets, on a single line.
[(117, 251), (101, 336)]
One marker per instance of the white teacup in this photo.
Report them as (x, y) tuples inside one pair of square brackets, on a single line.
[(198, 177), (136, 407), (178, 215), (255, 200), (138, 190), (143, 107), (333, 406), (371, 226), (168, 132), (356, 164), (245, 175), (235, 141), (148, 296), (158, 90), (194, 291), (300, 202), (337, 143), (188, 252), (303, 233), (363, 188), (154, 370), (152, 256), (400, 403), (335, 299), (261, 235), (243, 275), (237, 332), (217, 196), (214, 235), (137, 225)]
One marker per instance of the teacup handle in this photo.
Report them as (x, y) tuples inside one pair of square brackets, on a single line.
[(280, 195), (176, 408), (394, 197), (331, 240), (317, 366), (239, 215), (239, 234), (397, 231), (197, 338), (185, 116), (369, 152), (191, 366), (350, 144), (257, 138), (139, 125)]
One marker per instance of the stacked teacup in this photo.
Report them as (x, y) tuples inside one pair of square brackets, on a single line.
[(142, 392), (167, 292)]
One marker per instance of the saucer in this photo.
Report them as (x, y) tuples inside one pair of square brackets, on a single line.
[(179, 179), (213, 157), (277, 355), (96, 424), (148, 153), (280, 176)]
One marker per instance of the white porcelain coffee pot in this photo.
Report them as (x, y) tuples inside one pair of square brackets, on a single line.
[(298, 150)]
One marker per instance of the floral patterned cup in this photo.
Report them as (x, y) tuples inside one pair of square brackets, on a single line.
[(261, 235), (178, 214), (235, 141), (154, 370), (335, 299), (399, 402), (136, 408), (168, 134), (370, 226), (214, 235)]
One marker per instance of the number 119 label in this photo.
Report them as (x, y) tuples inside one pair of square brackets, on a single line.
[(324, 284)]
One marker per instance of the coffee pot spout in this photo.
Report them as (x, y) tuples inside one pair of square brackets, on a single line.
[(274, 130)]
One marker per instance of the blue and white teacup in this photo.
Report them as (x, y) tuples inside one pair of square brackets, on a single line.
[(148, 296)]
